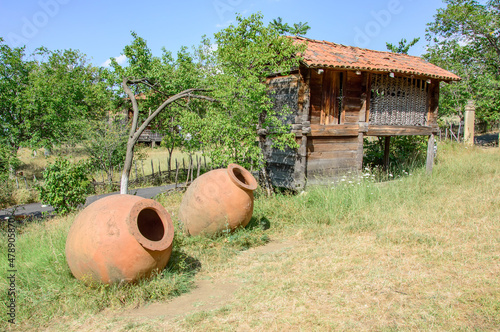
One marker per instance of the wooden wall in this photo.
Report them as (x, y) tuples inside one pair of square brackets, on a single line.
[(281, 164), (335, 148)]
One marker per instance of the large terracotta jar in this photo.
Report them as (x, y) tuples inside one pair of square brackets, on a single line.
[(119, 238), (219, 200)]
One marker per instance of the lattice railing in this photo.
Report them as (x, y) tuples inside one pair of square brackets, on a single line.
[(398, 101)]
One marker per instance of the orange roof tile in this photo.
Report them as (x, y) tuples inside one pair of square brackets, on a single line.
[(320, 54)]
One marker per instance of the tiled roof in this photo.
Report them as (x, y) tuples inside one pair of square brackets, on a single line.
[(321, 54)]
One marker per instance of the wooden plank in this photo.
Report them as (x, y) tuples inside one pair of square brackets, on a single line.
[(433, 103), (359, 157), (344, 89), (376, 130), (326, 164), (335, 130), (332, 147), (351, 118), (328, 141), (331, 155), (430, 154), (368, 95), (330, 79)]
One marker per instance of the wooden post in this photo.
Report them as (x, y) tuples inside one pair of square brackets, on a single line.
[(189, 169), (470, 111), (387, 152), (192, 169), (176, 172), (430, 154), (159, 169), (135, 166), (199, 165), (169, 167), (152, 170)]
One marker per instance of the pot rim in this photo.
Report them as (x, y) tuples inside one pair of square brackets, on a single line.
[(250, 182), (168, 227)]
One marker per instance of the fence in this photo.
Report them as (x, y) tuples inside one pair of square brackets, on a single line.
[(178, 173), (452, 132)]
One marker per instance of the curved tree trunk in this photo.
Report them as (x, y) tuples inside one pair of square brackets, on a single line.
[(135, 132)]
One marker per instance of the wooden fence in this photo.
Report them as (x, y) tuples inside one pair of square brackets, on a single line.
[(178, 173)]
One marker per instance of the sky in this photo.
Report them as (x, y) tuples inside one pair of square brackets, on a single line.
[(101, 29)]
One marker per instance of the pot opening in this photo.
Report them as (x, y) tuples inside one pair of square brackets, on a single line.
[(150, 225), (240, 176)]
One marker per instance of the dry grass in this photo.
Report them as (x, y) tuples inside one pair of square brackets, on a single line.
[(429, 260), (423, 253)]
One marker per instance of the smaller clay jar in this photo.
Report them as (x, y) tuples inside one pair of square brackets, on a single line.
[(119, 238), (219, 200)]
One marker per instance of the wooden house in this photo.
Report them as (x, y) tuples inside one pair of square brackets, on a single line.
[(341, 94)]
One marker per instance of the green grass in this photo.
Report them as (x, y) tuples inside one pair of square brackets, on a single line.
[(418, 252)]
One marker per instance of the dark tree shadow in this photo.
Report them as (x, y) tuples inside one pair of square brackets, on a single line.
[(182, 263), (262, 223)]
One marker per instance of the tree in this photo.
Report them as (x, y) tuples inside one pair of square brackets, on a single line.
[(403, 47), (246, 54), (298, 29), (217, 94), (45, 98), (105, 144), (465, 38), (164, 85), (14, 82)]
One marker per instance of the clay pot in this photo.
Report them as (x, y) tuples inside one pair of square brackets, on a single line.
[(119, 238), (219, 200)]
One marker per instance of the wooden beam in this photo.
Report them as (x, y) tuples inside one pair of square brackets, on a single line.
[(384, 130), (430, 154), (335, 130), (387, 151)]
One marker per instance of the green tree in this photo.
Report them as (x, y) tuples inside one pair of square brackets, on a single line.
[(246, 54), (105, 143), (230, 76), (465, 38), (298, 29), (15, 70), (156, 88), (403, 46), (45, 98)]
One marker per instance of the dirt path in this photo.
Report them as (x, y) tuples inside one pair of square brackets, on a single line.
[(208, 294)]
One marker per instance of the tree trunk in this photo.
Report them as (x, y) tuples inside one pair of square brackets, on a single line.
[(135, 132), (127, 166)]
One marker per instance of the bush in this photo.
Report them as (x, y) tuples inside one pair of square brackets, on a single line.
[(6, 198), (66, 185), (8, 163), (405, 152)]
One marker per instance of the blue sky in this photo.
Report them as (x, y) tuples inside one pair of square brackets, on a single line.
[(101, 29)]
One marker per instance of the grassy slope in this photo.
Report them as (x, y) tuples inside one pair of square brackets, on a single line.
[(418, 253)]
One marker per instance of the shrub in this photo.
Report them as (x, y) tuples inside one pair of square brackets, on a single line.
[(65, 185), (405, 152)]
